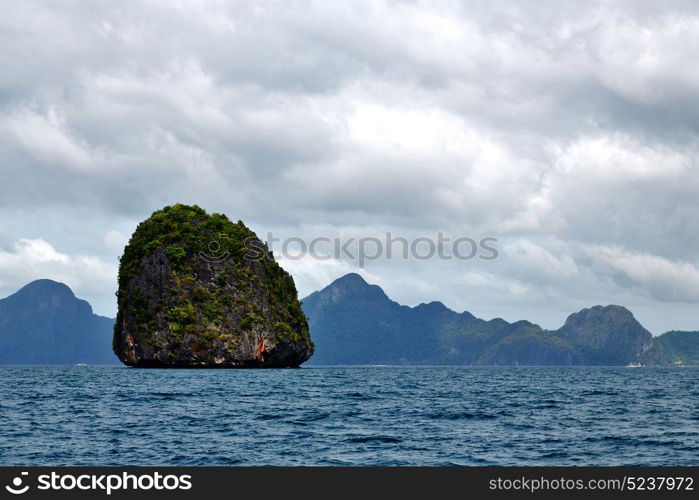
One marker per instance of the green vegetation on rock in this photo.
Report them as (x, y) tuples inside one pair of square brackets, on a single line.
[(681, 346), (196, 289)]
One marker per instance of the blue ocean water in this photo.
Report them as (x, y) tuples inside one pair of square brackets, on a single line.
[(349, 416)]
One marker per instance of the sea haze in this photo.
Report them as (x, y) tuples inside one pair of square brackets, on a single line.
[(350, 416)]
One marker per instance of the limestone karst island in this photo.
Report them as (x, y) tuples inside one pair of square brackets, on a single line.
[(193, 294)]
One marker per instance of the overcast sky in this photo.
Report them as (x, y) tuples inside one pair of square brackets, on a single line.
[(567, 130)]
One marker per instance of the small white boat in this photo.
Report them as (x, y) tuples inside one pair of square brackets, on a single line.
[(81, 364), (634, 365)]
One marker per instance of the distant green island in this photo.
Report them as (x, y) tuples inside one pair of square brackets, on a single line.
[(189, 296), (353, 322)]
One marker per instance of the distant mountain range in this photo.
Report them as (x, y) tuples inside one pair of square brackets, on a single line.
[(353, 322), (44, 323)]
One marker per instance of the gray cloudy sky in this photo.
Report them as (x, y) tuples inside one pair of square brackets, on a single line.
[(568, 130)]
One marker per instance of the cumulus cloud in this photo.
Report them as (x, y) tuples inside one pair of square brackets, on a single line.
[(567, 131), (663, 279), (115, 240), (31, 259)]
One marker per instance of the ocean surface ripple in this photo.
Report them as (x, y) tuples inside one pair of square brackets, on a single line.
[(354, 416)]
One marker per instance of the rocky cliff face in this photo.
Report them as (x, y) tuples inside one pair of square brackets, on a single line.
[(197, 290), (606, 335), (44, 323)]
